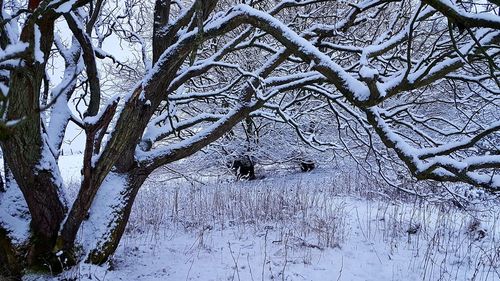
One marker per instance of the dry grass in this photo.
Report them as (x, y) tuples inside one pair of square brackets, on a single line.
[(445, 242)]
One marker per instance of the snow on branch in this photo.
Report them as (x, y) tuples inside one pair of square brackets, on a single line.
[(433, 164), (60, 112), (157, 133), (13, 51), (464, 18)]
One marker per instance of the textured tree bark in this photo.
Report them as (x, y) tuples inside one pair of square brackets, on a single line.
[(161, 16), (27, 154), (10, 257), (111, 217), (14, 228), (24, 151), (95, 174)]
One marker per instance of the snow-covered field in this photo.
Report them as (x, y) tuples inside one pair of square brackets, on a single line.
[(317, 226)]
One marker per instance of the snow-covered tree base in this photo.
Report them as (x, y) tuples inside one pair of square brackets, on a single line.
[(109, 216)]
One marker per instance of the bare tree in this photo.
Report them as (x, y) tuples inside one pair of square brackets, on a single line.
[(423, 77)]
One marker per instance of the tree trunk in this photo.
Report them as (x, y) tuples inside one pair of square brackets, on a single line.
[(34, 169), (109, 214), (10, 266), (14, 228), (29, 157), (41, 192)]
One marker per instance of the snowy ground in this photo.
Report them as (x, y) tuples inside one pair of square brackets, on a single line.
[(316, 226)]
